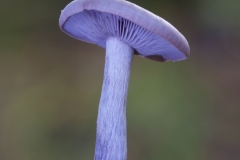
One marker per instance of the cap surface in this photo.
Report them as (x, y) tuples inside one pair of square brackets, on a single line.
[(94, 21)]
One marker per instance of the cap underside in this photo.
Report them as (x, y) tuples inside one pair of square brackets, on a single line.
[(96, 27)]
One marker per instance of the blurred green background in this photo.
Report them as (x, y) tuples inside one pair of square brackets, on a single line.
[(50, 86)]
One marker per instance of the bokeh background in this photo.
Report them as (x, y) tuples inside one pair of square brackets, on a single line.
[(50, 86)]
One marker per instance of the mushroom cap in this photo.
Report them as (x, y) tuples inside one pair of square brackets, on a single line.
[(94, 21)]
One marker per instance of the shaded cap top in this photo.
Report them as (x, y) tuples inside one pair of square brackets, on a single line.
[(94, 21)]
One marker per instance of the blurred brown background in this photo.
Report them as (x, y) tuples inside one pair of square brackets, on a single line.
[(50, 86)]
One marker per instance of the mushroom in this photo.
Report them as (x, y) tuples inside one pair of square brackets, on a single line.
[(124, 29)]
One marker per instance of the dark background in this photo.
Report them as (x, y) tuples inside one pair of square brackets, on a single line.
[(50, 86)]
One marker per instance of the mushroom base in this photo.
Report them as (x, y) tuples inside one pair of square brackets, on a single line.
[(111, 143)]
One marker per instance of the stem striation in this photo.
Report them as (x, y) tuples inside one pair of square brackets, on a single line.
[(111, 140)]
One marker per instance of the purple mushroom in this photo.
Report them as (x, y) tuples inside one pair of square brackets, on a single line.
[(124, 29)]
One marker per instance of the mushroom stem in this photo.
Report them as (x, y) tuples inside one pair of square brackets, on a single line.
[(111, 141)]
